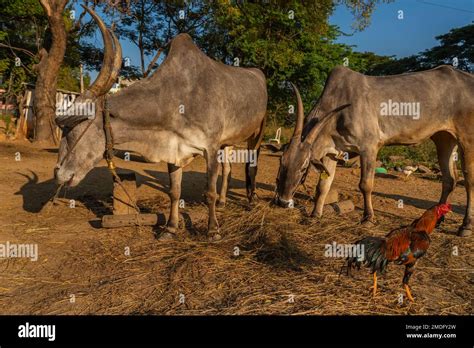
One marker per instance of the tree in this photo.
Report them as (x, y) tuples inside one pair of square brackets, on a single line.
[(458, 45), (150, 25), (288, 40), (361, 10), (142, 26), (21, 27), (51, 58), (27, 55)]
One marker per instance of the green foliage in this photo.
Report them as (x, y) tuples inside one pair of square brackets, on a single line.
[(368, 61), (288, 41), (69, 79), (149, 25), (361, 10), (141, 24), (458, 43), (23, 32), (6, 125), (280, 41), (424, 153), (22, 25)]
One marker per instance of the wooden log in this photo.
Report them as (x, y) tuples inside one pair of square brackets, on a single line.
[(328, 210), (339, 208), (113, 221), (123, 204), (353, 162), (344, 207)]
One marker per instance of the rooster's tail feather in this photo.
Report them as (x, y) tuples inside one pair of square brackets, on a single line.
[(373, 255)]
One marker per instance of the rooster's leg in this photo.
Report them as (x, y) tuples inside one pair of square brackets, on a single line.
[(374, 287), (407, 290), (408, 272)]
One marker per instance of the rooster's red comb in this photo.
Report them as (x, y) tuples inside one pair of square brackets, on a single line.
[(443, 208)]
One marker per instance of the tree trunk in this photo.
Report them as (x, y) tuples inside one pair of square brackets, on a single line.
[(19, 133), (48, 70)]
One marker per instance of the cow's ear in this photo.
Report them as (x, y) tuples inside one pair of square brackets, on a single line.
[(320, 167)]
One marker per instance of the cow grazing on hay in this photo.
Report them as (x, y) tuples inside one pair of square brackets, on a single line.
[(191, 105), (360, 114)]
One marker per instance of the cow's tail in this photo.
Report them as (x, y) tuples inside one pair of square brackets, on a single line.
[(255, 142)]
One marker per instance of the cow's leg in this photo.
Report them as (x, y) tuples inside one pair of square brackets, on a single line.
[(468, 170), (253, 144), (251, 175), (226, 171), (175, 174), (324, 185), (212, 174), (251, 170), (366, 185), (445, 145)]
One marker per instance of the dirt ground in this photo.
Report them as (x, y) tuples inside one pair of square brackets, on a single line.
[(270, 261)]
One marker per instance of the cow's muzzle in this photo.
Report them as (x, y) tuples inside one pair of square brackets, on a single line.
[(283, 202), (63, 177)]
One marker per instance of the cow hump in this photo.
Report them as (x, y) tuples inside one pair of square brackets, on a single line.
[(183, 46)]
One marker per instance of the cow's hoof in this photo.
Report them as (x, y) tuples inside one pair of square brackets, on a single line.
[(167, 236), (368, 222), (464, 232), (220, 205), (253, 199), (316, 215), (169, 233), (251, 206), (214, 236)]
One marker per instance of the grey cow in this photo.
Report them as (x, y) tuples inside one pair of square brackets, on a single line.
[(358, 113), (191, 105)]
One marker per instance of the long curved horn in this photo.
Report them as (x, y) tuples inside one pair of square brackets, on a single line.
[(299, 114), (117, 62), (98, 87), (311, 137)]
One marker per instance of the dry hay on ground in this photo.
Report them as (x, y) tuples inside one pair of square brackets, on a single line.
[(280, 268)]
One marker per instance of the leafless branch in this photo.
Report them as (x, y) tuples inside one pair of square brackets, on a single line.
[(154, 60), (18, 49), (47, 7)]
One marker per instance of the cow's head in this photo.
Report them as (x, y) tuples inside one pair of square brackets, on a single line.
[(82, 144), (300, 154)]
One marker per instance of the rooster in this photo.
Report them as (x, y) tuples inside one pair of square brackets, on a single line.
[(403, 246)]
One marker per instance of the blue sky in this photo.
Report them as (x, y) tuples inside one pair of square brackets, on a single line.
[(423, 21), (386, 35)]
